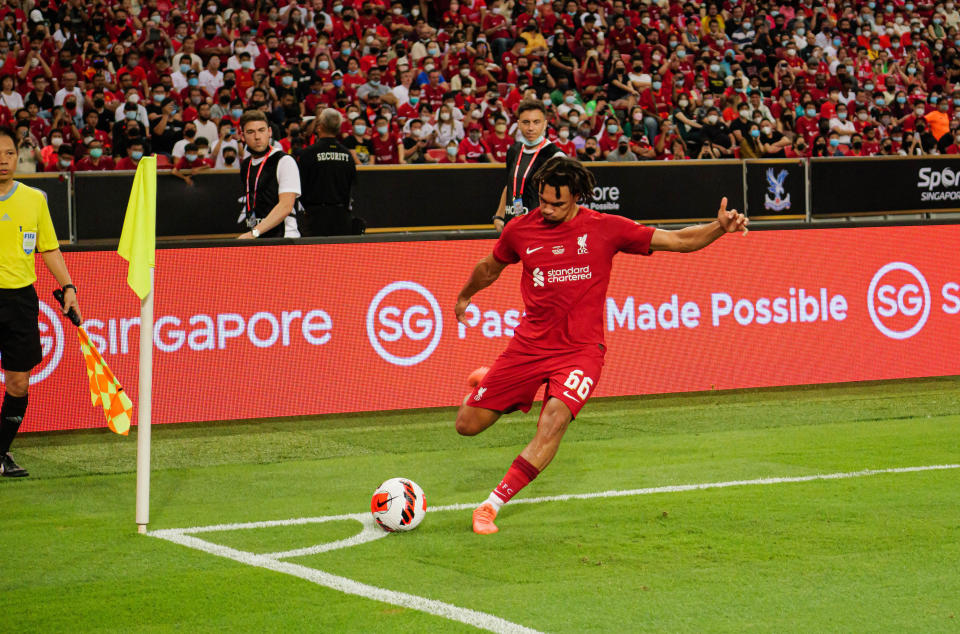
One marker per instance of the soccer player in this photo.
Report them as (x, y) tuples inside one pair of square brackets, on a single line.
[(25, 228), (567, 254)]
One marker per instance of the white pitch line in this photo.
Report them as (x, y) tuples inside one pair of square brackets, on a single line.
[(370, 532), (475, 618), (679, 488)]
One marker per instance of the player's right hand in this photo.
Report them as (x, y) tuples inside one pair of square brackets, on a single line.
[(461, 308)]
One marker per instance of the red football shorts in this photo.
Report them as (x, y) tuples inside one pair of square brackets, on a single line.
[(515, 377)]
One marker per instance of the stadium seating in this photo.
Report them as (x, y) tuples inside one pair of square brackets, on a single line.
[(893, 65)]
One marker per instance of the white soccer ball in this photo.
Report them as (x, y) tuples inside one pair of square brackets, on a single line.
[(398, 505)]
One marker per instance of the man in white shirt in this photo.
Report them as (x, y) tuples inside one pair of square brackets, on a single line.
[(133, 97), (205, 125), (243, 44), (70, 88), (211, 77)]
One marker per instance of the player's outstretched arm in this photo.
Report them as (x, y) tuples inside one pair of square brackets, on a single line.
[(484, 274), (698, 236)]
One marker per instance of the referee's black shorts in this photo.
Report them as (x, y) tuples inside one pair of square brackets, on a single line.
[(20, 349)]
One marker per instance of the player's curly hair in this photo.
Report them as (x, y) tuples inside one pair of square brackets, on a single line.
[(563, 171)]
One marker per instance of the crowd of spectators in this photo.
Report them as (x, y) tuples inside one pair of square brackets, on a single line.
[(97, 85)]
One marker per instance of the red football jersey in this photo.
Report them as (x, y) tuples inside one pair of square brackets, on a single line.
[(566, 271)]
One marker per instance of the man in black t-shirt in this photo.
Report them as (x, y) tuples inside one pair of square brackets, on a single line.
[(327, 174), (360, 145), (523, 160)]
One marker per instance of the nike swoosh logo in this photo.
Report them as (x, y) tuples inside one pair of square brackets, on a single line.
[(569, 395), (529, 251)]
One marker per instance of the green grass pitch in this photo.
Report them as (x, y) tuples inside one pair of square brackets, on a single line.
[(877, 553)]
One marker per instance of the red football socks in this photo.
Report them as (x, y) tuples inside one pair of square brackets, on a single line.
[(519, 475)]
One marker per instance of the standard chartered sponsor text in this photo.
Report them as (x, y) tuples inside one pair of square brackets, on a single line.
[(202, 332), (572, 274)]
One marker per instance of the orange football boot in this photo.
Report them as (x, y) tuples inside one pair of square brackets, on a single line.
[(483, 517)]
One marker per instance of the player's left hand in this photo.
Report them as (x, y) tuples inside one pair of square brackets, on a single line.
[(730, 219), (245, 236)]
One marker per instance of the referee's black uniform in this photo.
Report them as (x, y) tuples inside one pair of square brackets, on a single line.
[(327, 176), (519, 181)]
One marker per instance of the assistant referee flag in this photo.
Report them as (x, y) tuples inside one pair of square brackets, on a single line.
[(105, 389), (139, 236)]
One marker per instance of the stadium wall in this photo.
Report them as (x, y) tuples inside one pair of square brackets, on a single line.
[(466, 195), (295, 329)]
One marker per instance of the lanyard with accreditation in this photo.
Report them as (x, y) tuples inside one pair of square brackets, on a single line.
[(249, 214), (517, 209)]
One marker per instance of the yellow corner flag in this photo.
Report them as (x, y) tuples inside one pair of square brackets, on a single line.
[(105, 389), (139, 236)]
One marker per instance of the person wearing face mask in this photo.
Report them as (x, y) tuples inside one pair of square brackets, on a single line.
[(622, 153), (448, 127), (226, 140), (740, 125), (245, 48), (717, 139), (123, 127), (472, 148), (497, 140), (807, 126), (387, 147), (95, 160), (190, 164), (358, 142), (842, 125), (211, 43), (564, 140), (415, 143), (523, 159), (210, 79), (773, 141), (938, 121), (168, 129), (189, 136), (132, 159), (610, 135), (329, 175), (374, 86)]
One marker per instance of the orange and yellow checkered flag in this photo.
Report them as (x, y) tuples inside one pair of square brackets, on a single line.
[(105, 389)]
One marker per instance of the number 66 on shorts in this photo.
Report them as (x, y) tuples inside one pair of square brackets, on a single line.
[(582, 384), (515, 378)]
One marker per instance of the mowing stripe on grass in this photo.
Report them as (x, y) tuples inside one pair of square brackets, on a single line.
[(370, 532)]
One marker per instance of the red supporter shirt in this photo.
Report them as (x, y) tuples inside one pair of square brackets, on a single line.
[(86, 164), (566, 271), (183, 164), (386, 150), (470, 151), (498, 146), (126, 163)]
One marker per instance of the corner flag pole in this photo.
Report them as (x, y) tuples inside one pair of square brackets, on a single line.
[(144, 406), (138, 242)]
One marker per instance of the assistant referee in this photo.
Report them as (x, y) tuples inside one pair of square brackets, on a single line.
[(25, 228), (523, 160), (328, 173)]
